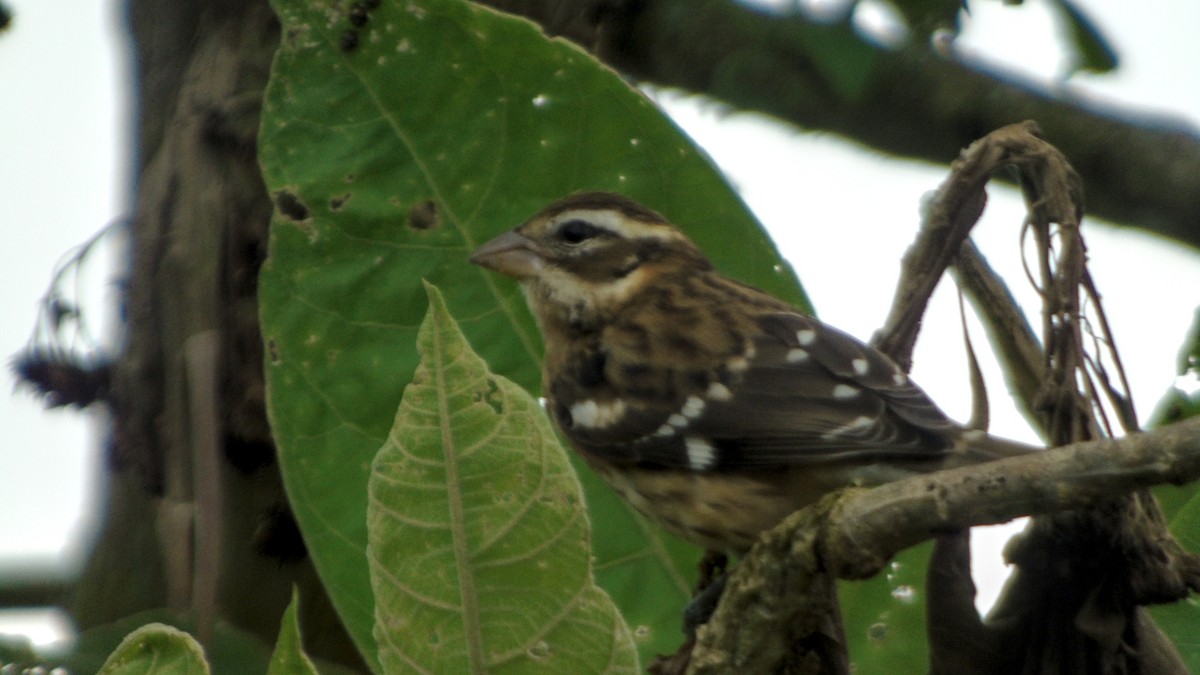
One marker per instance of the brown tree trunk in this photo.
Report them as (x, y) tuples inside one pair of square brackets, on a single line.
[(196, 518)]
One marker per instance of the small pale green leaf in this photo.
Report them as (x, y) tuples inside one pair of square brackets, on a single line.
[(289, 657), (232, 650), (478, 537), (156, 649), (1090, 49)]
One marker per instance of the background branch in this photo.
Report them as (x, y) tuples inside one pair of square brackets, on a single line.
[(910, 101)]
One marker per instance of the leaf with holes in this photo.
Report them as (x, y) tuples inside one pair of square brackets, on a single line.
[(393, 142), (479, 550)]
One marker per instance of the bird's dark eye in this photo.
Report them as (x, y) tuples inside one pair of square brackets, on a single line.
[(577, 231)]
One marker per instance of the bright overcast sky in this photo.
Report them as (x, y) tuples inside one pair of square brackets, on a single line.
[(65, 141)]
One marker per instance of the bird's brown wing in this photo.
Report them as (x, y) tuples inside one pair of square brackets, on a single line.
[(805, 394)]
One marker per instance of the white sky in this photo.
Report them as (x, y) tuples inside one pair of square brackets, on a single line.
[(64, 142)]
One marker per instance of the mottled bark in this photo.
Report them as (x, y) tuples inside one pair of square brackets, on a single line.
[(196, 519)]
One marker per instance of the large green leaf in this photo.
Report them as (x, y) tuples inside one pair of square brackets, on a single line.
[(479, 544), (393, 153)]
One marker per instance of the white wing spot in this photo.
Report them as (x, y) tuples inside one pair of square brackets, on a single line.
[(701, 453), (593, 415), (797, 355), (665, 430), (677, 420), (718, 392), (900, 379), (857, 424), (860, 366), (845, 391), (692, 407), (806, 337)]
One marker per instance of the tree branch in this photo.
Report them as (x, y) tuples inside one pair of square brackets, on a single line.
[(911, 102), (854, 533)]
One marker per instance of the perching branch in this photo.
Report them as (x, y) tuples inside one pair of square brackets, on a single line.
[(854, 533)]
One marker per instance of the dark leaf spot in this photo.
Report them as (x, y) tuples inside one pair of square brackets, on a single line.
[(423, 216), (349, 41), (358, 14), (491, 397), (290, 206), (336, 203)]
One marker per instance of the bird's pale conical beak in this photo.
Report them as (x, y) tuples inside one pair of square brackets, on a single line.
[(510, 254)]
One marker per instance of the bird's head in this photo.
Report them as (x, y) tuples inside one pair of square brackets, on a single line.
[(584, 256)]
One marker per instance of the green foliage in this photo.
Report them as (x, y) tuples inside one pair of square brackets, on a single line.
[(478, 537), (1089, 49), (232, 650), (390, 162), (884, 617), (1179, 620), (1182, 504), (289, 657), (159, 649)]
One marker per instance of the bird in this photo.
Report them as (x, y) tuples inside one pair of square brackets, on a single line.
[(713, 408)]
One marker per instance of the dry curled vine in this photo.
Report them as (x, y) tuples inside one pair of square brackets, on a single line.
[(1082, 574)]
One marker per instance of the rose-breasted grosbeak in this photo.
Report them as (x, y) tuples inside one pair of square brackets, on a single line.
[(715, 409)]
